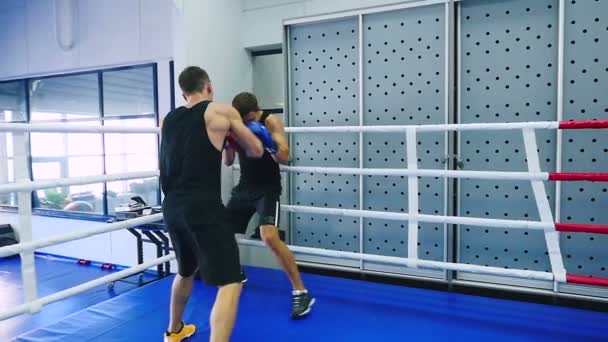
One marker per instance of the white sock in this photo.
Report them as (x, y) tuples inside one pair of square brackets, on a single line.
[(298, 292)]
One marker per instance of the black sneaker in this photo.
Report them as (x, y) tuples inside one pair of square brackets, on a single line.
[(302, 304), (243, 277)]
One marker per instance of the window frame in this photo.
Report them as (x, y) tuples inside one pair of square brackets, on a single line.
[(25, 89), (267, 52), (97, 217)]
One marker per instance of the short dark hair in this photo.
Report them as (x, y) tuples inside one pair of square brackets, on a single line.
[(245, 103), (192, 79)]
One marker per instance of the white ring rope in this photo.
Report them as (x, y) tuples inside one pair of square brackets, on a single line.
[(23, 187), (81, 234), (428, 128), (471, 221), (61, 182), (36, 305), (501, 175), (63, 128), (408, 262)]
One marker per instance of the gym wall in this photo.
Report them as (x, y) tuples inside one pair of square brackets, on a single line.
[(106, 33), (507, 70)]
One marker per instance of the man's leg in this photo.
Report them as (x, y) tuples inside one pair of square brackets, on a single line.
[(268, 207), (302, 299), (239, 211), (181, 240), (270, 236), (224, 312), (180, 293), (221, 267)]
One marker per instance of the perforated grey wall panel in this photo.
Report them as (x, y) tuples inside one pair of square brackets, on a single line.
[(404, 55), (324, 92), (585, 97), (508, 74), (324, 69), (404, 81)]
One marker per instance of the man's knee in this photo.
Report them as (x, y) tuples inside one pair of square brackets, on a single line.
[(232, 290), (231, 287), (186, 276), (270, 235), (187, 271), (226, 303)]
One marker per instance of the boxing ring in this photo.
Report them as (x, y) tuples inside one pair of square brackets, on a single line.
[(347, 309)]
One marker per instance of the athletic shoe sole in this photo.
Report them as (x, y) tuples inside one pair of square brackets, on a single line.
[(192, 334), (312, 302), (189, 335)]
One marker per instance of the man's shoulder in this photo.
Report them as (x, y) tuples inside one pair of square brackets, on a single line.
[(215, 111), (174, 112), (217, 117), (167, 119), (171, 116), (219, 108), (273, 121)]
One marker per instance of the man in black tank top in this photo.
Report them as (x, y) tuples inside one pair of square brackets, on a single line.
[(190, 174), (259, 190)]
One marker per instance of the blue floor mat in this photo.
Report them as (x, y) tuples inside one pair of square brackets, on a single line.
[(346, 310), (54, 274)]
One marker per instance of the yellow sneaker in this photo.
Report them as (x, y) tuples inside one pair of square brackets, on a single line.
[(187, 331)]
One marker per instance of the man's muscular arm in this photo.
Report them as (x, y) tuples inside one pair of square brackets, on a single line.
[(277, 130), (243, 136)]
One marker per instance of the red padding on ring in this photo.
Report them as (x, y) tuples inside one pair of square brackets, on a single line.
[(586, 280), (578, 176), (581, 228), (579, 124)]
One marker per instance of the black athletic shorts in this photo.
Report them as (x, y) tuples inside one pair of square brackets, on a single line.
[(244, 203), (202, 240)]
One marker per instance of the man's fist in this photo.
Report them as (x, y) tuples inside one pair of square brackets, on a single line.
[(264, 135)]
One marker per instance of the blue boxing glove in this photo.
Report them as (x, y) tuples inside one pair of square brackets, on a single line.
[(263, 134)]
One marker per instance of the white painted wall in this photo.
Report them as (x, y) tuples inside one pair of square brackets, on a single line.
[(207, 34), (107, 33), (264, 18)]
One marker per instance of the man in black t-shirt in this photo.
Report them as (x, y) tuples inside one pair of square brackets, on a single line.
[(192, 140), (259, 190)]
